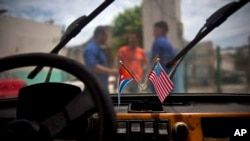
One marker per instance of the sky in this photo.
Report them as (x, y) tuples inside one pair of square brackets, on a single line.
[(193, 16), (233, 32)]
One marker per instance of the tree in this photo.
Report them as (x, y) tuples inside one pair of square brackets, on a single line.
[(129, 20)]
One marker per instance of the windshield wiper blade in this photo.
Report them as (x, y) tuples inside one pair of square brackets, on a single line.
[(216, 19), (73, 29)]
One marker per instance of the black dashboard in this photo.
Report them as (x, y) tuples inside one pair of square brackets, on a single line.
[(184, 117)]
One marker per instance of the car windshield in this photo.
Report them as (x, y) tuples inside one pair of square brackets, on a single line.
[(129, 44)]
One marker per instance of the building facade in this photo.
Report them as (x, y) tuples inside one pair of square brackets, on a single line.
[(26, 36), (167, 10), (200, 64)]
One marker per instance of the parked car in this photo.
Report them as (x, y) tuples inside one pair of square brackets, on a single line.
[(10, 85)]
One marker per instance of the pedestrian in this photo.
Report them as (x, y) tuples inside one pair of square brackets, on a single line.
[(95, 57), (133, 56), (161, 48)]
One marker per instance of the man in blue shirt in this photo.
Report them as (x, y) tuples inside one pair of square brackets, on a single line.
[(161, 48), (95, 57)]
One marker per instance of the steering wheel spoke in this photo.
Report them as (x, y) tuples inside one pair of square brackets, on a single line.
[(96, 99), (60, 120)]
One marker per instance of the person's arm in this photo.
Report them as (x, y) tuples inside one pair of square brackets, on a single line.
[(169, 52), (91, 61), (104, 70), (156, 51)]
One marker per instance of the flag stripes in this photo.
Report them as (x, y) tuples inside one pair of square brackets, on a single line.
[(162, 83)]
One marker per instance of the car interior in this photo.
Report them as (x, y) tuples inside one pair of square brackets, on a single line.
[(60, 111)]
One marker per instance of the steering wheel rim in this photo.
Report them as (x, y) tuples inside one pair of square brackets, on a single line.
[(98, 93)]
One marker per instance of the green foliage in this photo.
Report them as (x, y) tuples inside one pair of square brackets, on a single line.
[(129, 20)]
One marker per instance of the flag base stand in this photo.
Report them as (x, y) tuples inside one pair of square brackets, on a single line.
[(145, 107)]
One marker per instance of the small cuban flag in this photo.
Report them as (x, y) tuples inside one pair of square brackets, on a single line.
[(124, 78)]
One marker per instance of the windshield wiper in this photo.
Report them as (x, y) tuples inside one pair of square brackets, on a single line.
[(73, 29), (216, 19)]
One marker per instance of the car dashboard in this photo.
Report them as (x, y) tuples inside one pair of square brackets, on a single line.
[(183, 117)]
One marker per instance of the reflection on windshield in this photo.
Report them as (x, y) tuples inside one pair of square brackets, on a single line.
[(136, 33)]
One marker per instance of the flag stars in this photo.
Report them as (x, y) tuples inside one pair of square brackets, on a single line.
[(157, 70)]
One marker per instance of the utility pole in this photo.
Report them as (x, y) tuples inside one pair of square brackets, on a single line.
[(218, 70)]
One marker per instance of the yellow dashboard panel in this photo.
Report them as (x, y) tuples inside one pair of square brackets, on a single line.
[(193, 121)]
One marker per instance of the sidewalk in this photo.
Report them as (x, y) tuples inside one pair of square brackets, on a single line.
[(224, 89)]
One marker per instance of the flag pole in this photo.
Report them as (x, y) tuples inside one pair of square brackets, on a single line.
[(131, 74), (156, 59)]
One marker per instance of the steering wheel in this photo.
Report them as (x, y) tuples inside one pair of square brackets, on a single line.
[(98, 93)]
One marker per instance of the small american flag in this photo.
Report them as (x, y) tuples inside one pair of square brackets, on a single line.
[(162, 83)]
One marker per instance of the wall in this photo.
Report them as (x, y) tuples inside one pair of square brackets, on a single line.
[(25, 36)]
